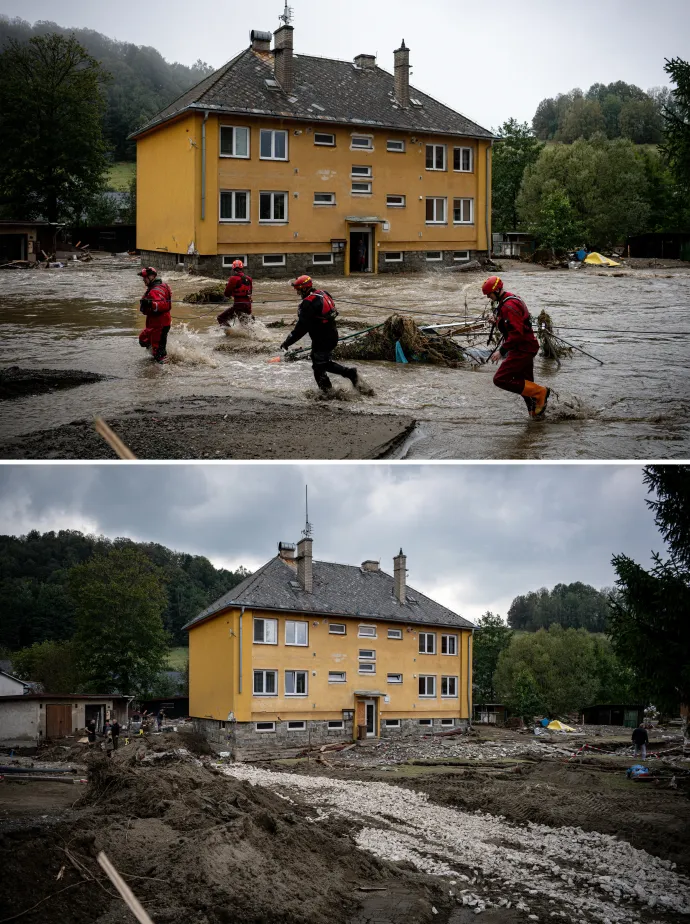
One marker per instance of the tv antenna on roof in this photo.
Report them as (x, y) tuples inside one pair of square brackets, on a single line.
[(306, 532), (288, 13)]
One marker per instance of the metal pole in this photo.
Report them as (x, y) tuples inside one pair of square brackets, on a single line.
[(579, 349)]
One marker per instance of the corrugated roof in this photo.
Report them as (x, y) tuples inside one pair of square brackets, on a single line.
[(338, 590), (325, 90)]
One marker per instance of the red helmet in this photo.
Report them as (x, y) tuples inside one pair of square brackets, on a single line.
[(303, 284), (238, 264), (148, 271), (492, 284)]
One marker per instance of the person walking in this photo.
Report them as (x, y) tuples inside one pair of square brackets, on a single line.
[(362, 255), (518, 348), (640, 740), (91, 732), (159, 719), (115, 732), (240, 287), (317, 314), (156, 305)]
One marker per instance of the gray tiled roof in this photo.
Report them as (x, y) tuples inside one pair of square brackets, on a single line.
[(341, 93), (338, 590)]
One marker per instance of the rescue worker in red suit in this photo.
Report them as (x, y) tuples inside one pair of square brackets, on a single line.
[(156, 306), (317, 314), (518, 348), (239, 288)]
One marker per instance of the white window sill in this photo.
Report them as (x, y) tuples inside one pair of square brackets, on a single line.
[(337, 681), (296, 645), (263, 643), (270, 221), (363, 150), (282, 160), (324, 205), (430, 652), (234, 221), (370, 673), (265, 695), (444, 696), (436, 170), (467, 224), (399, 682), (364, 195), (395, 206), (236, 156), (427, 696), (296, 695), (438, 224), (463, 171)]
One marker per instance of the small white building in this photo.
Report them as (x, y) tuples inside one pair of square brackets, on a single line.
[(27, 720), (12, 686)]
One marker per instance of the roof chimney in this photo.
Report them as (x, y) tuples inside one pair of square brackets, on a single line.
[(402, 75), (400, 566), (287, 552), (261, 41), (370, 565), (304, 563), (284, 60), (365, 62)]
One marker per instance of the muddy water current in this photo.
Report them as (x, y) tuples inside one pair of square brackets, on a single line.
[(635, 406)]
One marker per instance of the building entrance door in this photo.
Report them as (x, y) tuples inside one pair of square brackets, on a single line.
[(360, 251), (58, 721), (370, 707)]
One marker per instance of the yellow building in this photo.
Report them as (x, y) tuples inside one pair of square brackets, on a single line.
[(310, 652), (298, 164)]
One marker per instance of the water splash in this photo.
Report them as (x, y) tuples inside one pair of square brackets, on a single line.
[(189, 348)]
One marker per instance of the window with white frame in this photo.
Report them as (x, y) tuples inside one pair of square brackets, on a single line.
[(274, 145), (396, 202), (296, 726), (434, 256), (367, 667), (427, 643), (265, 631), (463, 160), (321, 198), (427, 685), (273, 206), (447, 721), (265, 726), (359, 170), (234, 141), (273, 259), (449, 644), (361, 189), (395, 633), (449, 687), (463, 211), (324, 139), (394, 678), (393, 256), (234, 205), (336, 725), (395, 147), (367, 632), (296, 683), (367, 654), (229, 260), (296, 633), (391, 723), (322, 259), (435, 211), (435, 157), (265, 683), (426, 721), (461, 256), (363, 142), (337, 628), (336, 676)]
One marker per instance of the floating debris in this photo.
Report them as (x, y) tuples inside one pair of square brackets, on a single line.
[(400, 333)]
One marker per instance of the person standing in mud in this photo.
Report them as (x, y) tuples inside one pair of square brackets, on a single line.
[(115, 732), (156, 305), (239, 288), (517, 349), (317, 314)]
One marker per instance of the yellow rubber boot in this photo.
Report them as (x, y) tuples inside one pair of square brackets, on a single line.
[(540, 395)]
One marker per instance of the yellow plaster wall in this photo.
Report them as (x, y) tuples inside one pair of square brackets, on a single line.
[(213, 667)]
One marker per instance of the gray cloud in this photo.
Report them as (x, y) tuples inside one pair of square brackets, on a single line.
[(475, 535), (489, 62)]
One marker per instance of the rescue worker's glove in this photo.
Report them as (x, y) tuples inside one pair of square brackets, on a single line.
[(284, 345)]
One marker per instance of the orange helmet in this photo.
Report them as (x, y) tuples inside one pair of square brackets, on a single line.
[(303, 284), (238, 264), (492, 285)]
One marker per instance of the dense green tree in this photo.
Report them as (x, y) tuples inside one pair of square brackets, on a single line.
[(120, 643), (641, 121), (555, 225), (524, 697), (51, 116), (515, 152), (649, 624), (490, 639), (545, 121), (572, 606), (676, 113), (52, 664), (584, 119)]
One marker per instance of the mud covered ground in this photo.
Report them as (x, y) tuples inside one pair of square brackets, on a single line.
[(17, 383)]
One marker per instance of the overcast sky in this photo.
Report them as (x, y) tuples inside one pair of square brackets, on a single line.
[(489, 61), (475, 536)]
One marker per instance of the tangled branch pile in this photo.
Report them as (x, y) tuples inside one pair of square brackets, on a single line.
[(208, 294), (417, 346), (550, 347)]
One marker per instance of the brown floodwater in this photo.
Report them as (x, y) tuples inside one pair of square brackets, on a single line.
[(635, 406)]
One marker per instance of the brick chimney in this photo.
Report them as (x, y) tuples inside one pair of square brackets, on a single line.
[(402, 75), (261, 41), (400, 572), (304, 564), (370, 565), (365, 62), (284, 58)]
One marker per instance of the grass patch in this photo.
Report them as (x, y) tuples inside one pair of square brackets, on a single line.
[(177, 659), (120, 175)]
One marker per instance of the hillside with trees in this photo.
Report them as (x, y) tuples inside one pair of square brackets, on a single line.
[(140, 82)]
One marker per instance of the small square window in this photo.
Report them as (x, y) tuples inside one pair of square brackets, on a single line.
[(435, 157), (463, 211), (427, 685), (321, 198), (265, 726), (463, 160), (265, 631), (358, 171), (393, 256), (461, 256), (273, 145), (435, 211), (394, 678), (336, 676), (363, 142), (296, 683), (447, 721), (273, 207), (234, 141), (274, 259), (396, 202), (296, 633), (361, 189), (367, 654), (391, 723), (324, 139), (367, 667), (434, 256), (367, 632), (426, 721), (229, 260), (234, 205), (395, 633), (296, 726), (449, 687), (323, 259), (336, 725), (337, 628), (265, 683), (395, 147)]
